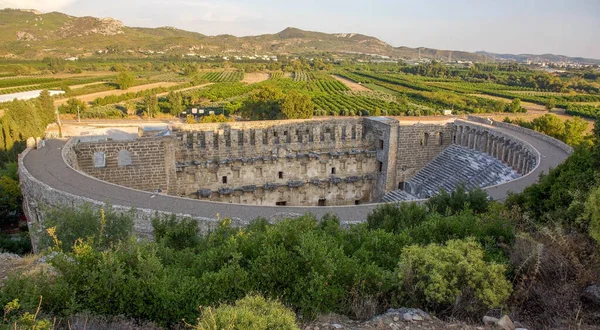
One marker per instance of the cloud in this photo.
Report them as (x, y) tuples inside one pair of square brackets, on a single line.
[(41, 5)]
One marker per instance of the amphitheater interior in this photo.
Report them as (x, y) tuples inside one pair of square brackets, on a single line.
[(320, 162)]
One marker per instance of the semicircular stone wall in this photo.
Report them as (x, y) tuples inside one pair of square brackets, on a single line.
[(277, 169), (332, 162)]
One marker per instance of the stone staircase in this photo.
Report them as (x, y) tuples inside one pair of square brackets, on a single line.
[(454, 166)]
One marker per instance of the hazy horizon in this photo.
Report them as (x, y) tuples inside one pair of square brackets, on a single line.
[(511, 27)]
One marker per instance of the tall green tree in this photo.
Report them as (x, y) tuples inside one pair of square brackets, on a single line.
[(176, 101), (297, 105), (125, 80), (47, 105), (151, 105)]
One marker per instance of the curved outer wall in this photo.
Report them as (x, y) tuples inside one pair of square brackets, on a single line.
[(37, 195)]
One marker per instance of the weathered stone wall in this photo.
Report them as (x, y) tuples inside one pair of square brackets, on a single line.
[(293, 162), (38, 198), (385, 133), (418, 144), (148, 168), (274, 138)]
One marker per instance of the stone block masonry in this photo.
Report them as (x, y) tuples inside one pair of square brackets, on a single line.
[(145, 164)]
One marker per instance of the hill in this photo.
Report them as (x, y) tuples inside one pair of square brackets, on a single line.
[(29, 34)]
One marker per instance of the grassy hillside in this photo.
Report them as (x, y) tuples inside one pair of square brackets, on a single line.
[(30, 35)]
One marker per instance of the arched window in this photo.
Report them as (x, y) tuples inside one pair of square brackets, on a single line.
[(426, 139), (124, 158), (440, 138)]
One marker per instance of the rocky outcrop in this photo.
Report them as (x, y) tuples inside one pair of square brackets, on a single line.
[(591, 294), (25, 36), (85, 26)]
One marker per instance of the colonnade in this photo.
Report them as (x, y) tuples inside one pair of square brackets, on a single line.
[(509, 151)]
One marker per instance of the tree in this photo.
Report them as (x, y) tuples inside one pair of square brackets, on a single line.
[(151, 105), (125, 80), (72, 106), (176, 101), (46, 105), (297, 106), (550, 104), (574, 129), (515, 106), (550, 125), (263, 103)]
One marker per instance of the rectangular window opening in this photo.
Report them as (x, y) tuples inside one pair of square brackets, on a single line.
[(380, 144), (224, 179), (281, 175), (280, 203), (322, 202), (357, 202), (333, 170), (380, 167)]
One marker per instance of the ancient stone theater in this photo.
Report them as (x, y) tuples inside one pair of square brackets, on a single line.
[(275, 169)]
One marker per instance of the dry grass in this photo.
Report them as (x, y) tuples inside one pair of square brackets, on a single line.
[(350, 84), (255, 77), (551, 270)]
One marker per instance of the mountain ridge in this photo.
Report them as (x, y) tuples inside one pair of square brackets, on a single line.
[(30, 34)]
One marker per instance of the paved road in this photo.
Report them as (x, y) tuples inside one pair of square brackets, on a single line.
[(47, 165)]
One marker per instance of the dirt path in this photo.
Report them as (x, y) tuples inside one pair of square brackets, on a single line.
[(85, 85), (527, 105), (350, 84), (93, 96), (255, 77)]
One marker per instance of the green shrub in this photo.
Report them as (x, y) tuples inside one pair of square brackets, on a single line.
[(20, 244), (592, 211), (452, 276), (394, 218), (177, 234), (104, 227), (459, 200), (251, 313)]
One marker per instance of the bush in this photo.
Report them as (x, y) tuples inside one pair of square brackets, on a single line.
[(392, 218), (251, 313), (452, 277), (176, 234), (459, 200), (105, 227), (20, 244), (592, 210)]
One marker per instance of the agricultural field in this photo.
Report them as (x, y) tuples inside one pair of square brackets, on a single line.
[(359, 89), (276, 75), (303, 76), (350, 84), (88, 98), (225, 76)]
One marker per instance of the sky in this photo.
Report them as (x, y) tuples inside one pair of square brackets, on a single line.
[(565, 27)]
